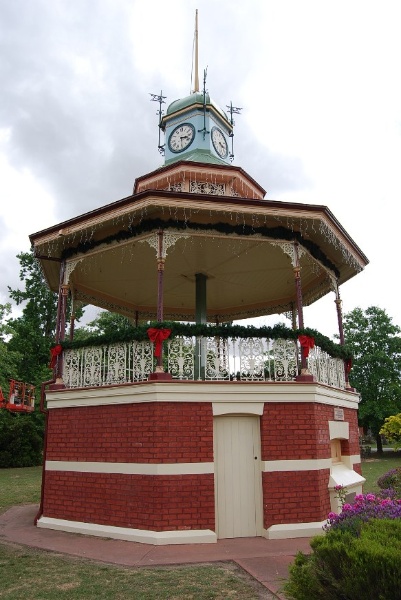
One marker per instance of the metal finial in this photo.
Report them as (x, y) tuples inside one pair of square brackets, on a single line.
[(161, 100), (233, 110)]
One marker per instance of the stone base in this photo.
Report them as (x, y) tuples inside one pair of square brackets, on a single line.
[(287, 531), (157, 538), (57, 386), (160, 376), (305, 377)]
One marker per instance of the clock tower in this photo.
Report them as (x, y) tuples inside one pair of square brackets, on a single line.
[(196, 129)]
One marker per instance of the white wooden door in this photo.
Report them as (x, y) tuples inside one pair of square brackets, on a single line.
[(238, 480)]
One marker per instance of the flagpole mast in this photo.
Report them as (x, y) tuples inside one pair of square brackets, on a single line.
[(196, 73)]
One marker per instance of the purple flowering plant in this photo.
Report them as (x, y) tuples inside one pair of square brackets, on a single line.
[(384, 505), (391, 479)]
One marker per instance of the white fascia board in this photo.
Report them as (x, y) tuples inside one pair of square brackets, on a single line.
[(214, 392)]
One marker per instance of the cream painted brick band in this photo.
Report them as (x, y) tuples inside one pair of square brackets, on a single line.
[(131, 468), (269, 466)]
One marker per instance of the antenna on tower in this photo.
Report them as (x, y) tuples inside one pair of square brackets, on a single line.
[(195, 71), (161, 100), (233, 110)]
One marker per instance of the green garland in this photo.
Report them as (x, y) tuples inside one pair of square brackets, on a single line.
[(222, 331), (280, 232)]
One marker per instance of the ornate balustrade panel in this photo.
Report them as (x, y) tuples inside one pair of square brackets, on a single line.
[(108, 365), (142, 360), (285, 360), (217, 358), (190, 358), (253, 356), (326, 369), (181, 358)]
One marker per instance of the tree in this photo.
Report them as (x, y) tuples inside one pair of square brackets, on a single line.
[(9, 360), (21, 440), (392, 430), (376, 346), (107, 324), (33, 331)]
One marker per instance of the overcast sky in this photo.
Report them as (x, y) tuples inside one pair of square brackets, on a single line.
[(319, 83)]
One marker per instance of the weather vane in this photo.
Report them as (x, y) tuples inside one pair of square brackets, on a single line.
[(161, 100), (233, 110), (204, 129)]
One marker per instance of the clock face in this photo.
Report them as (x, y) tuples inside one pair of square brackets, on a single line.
[(181, 137), (219, 142)]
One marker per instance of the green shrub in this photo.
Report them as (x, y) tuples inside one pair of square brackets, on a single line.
[(343, 566), (21, 442)]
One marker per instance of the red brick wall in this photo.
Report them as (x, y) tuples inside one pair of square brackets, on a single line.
[(300, 431), (182, 433), (155, 503), (134, 433), (286, 498), (297, 431)]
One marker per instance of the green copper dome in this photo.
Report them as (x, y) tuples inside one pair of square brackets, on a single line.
[(193, 99)]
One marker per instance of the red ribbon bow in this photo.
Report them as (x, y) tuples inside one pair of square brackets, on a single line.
[(157, 336), (54, 352), (307, 343), (348, 365)]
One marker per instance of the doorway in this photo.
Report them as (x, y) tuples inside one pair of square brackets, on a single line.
[(238, 479)]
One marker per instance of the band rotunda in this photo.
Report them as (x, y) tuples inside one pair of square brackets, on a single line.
[(195, 428)]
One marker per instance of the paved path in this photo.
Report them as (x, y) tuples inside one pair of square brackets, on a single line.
[(266, 560)]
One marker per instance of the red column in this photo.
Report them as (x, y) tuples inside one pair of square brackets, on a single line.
[(305, 375), (160, 374), (298, 287), (339, 303), (160, 276), (60, 324)]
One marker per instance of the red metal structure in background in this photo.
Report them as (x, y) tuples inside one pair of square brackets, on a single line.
[(21, 397)]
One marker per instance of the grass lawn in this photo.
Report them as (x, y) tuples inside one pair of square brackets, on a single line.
[(27, 574), (19, 486), (375, 466)]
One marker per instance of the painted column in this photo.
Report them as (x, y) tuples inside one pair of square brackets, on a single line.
[(160, 275), (293, 316), (72, 317), (65, 289), (200, 317), (60, 323), (59, 303), (305, 375), (161, 242), (339, 303), (298, 286), (200, 298), (294, 251), (160, 288)]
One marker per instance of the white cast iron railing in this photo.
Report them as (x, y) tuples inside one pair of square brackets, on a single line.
[(190, 358)]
